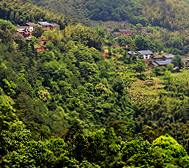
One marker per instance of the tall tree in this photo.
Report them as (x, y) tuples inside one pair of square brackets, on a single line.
[(177, 61)]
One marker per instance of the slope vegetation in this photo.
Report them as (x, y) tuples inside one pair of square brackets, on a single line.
[(97, 9), (171, 14), (19, 12), (166, 13)]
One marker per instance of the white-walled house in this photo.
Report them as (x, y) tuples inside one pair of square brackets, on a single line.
[(147, 54)]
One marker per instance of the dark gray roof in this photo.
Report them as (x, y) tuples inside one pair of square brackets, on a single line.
[(31, 24), (166, 62), (125, 30), (132, 53), (169, 56), (145, 52), (154, 63), (156, 56), (22, 28), (55, 25), (45, 24)]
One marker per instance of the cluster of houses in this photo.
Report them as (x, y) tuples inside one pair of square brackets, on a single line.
[(150, 58), (154, 59), (26, 29)]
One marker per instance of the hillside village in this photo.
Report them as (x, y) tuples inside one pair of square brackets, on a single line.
[(26, 29), (151, 59)]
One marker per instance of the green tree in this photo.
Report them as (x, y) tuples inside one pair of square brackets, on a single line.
[(140, 66), (38, 31), (124, 40), (73, 130), (170, 67), (139, 28), (168, 143), (177, 61), (168, 78), (100, 31), (141, 56), (141, 42), (13, 134)]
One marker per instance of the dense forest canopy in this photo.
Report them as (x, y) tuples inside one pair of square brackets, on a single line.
[(169, 14), (166, 13), (19, 12), (97, 9)]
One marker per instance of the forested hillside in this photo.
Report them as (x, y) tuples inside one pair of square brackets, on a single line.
[(166, 13), (97, 10), (169, 14), (19, 12), (83, 101), (70, 91)]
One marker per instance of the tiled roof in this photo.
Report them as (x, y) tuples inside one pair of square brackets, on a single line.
[(156, 56), (31, 24), (166, 62), (132, 53), (22, 27), (145, 52), (55, 25), (45, 24), (154, 63), (169, 56), (115, 33), (125, 30)]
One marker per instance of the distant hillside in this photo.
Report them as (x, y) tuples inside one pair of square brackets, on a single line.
[(97, 9), (19, 12), (73, 9), (187, 1), (171, 14)]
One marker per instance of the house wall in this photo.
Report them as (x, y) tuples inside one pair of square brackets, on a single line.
[(146, 56), (162, 66), (21, 33), (151, 65), (125, 33), (30, 28), (46, 27), (45, 41), (40, 49)]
